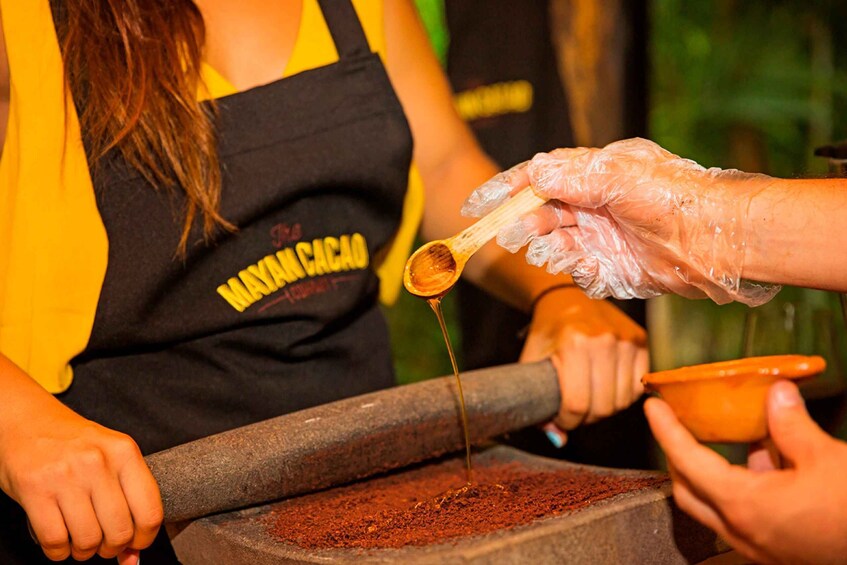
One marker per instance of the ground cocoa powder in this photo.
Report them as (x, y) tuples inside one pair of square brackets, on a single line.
[(428, 505)]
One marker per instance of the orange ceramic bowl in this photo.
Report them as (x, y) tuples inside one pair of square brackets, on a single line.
[(726, 401)]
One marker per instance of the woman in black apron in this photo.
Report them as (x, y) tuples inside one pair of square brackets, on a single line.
[(252, 325), (170, 360)]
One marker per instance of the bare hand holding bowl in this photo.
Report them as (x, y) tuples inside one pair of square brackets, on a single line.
[(726, 402)]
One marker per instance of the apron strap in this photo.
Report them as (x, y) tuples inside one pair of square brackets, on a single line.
[(346, 29)]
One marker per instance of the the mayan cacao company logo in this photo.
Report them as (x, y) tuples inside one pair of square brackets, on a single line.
[(490, 100), (298, 271)]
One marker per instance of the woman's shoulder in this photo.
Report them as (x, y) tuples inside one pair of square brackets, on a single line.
[(371, 14)]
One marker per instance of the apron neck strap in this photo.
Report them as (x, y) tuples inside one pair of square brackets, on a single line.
[(345, 28)]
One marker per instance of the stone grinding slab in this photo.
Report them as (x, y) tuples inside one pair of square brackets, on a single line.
[(638, 526)]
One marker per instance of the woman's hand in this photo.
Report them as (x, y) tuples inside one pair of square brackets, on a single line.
[(797, 514), (599, 352), (86, 489), (632, 220)]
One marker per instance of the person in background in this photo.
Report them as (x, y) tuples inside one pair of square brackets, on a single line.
[(201, 204), (632, 220), (504, 68)]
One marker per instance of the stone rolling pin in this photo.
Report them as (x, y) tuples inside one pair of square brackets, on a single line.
[(349, 439)]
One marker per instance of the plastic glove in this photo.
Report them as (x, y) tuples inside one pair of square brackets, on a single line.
[(632, 220), (797, 514)]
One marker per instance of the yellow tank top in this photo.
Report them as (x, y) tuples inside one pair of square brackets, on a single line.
[(53, 246)]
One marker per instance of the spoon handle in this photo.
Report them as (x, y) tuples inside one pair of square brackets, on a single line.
[(468, 241)]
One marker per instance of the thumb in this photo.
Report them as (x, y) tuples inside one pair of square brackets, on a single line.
[(795, 434)]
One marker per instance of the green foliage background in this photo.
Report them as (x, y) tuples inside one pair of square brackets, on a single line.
[(771, 66)]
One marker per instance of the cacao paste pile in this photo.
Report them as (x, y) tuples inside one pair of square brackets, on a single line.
[(433, 504)]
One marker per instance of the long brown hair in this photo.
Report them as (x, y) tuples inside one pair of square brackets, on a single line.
[(133, 67)]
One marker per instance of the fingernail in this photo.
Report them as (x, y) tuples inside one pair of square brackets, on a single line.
[(555, 439), (556, 436), (786, 395)]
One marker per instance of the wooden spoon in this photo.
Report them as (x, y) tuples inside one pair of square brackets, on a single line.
[(433, 269)]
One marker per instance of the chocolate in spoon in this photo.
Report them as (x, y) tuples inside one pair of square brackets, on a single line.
[(433, 269)]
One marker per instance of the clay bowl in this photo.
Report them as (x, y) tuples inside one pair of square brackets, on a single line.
[(726, 402)]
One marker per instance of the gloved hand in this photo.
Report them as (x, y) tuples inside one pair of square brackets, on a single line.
[(632, 220)]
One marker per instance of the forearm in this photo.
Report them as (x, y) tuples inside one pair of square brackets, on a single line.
[(509, 277), (22, 397), (798, 234)]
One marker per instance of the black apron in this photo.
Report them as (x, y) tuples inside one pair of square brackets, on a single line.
[(276, 317)]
